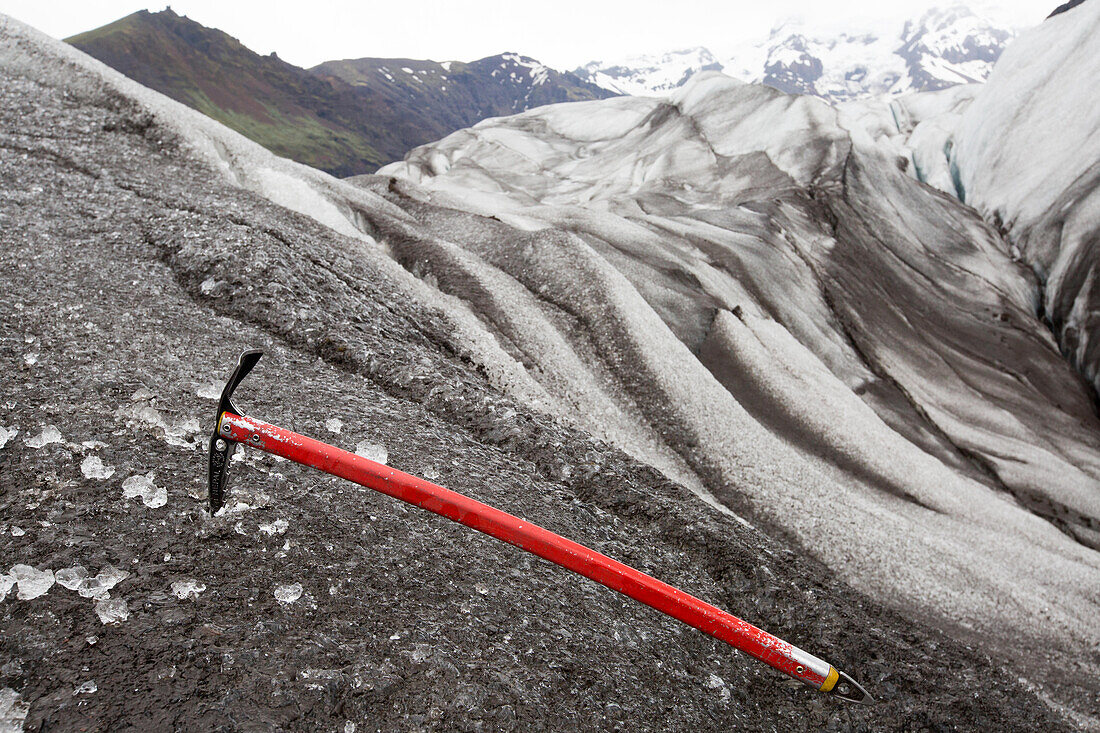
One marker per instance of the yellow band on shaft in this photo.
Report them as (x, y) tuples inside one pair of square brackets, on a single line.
[(830, 681)]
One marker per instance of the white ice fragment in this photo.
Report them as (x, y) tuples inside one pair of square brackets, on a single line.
[(141, 395), (49, 434), (86, 688), (372, 451), (237, 508), (17, 532), (32, 583), (7, 434), (97, 587), (30, 359), (93, 467), (13, 711), (94, 444), (715, 682), (208, 285), (7, 582), (142, 487), (273, 528), (181, 433), (112, 611), (109, 576), (333, 425), (71, 578), (209, 391), (184, 589), (287, 594), (349, 727)]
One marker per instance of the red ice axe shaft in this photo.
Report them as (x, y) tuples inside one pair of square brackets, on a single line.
[(233, 428)]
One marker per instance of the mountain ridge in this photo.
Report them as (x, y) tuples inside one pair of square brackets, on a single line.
[(327, 117), (942, 47)]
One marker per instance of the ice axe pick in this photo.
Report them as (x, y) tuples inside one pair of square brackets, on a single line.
[(231, 428)]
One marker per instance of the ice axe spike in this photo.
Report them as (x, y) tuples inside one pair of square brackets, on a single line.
[(231, 427)]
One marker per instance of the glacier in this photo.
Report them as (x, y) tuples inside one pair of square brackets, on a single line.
[(779, 304)]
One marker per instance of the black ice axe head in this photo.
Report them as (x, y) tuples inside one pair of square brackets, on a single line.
[(221, 450)]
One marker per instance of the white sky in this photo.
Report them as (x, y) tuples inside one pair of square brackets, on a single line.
[(561, 33)]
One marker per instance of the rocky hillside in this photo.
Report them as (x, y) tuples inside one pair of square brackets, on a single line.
[(345, 117), (444, 97), (942, 47)]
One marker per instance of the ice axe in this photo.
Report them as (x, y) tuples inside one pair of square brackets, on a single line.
[(231, 427)]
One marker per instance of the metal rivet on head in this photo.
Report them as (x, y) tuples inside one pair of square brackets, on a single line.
[(800, 669), (220, 445), (255, 438), (227, 428)]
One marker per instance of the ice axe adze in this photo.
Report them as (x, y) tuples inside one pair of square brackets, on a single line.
[(231, 427)]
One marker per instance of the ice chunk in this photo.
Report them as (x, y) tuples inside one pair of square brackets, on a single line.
[(71, 578), (98, 587), (93, 467), (715, 682), (237, 508), (142, 487), (13, 711), (7, 434), (49, 434), (30, 359), (32, 583), (181, 433), (17, 532), (184, 589), (112, 610), (333, 425), (7, 582), (372, 451), (287, 594), (86, 688), (110, 576), (273, 528), (210, 391), (141, 395)]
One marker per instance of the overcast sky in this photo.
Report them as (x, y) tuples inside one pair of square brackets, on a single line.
[(561, 33)]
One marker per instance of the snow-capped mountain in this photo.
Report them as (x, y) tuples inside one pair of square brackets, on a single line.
[(641, 76), (941, 48)]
